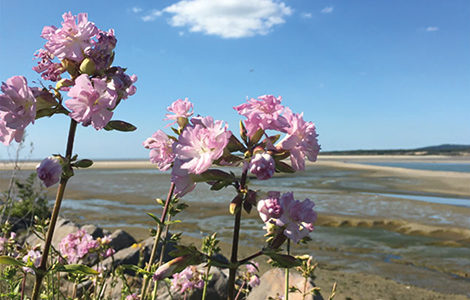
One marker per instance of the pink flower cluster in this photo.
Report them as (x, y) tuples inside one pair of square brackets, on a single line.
[(187, 280), (76, 245), (201, 142), (79, 41), (49, 171), (294, 217), (267, 113), (17, 109)]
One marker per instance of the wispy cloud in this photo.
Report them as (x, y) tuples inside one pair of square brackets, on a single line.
[(154, 14), (226, 18), (327, 10), (306, 15), (136, 9), (432, 28)]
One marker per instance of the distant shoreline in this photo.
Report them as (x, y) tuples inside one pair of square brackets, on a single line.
[(353, 159)]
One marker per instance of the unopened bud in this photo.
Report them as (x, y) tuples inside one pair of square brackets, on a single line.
[(235, 204), (88, 66)]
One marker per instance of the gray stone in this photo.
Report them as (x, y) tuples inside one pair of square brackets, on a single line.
[(94, 231), (121, 239), (272, 285)]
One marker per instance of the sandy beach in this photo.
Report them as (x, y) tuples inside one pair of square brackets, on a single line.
[(372, 236)]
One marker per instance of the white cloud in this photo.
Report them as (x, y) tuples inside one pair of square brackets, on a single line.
[(306, 15), (152, 15), (228, 18), (136, 9), (432, 28), (327, 10)]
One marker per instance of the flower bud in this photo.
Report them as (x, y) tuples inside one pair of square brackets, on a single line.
[(49, 171), (88, 66), (235, 204), (262, 165)]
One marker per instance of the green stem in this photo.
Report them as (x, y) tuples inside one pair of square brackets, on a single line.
[(55, 213), (286, 293), (236, 235), (155, 244), (206, 277)]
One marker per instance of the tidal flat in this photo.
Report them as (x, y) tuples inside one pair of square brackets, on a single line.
[(382, 219)]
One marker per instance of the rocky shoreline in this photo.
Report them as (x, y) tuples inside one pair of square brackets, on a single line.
[(350, 285)]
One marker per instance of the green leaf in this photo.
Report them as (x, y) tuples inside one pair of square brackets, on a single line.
[(83, 163), (256, 136), (172, 222), (45, 112), (219, 185), (283, 260), (119, 126), (136, 269), (7, 260), (156, 219), (77, 269), (235, 145), (283, 167)]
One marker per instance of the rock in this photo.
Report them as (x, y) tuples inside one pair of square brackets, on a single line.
[(131, 255), (121, 239), (272, 285), (94, 231)]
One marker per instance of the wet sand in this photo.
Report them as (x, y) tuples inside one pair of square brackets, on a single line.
[(362, 243)]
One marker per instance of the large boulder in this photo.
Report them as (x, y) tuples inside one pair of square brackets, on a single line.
[(272, 285)]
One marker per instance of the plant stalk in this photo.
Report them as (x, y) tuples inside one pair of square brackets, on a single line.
[(236, 234), (157, 238), (55, 214), (286, 297)]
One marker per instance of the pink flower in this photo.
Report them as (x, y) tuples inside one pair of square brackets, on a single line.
[(270, 208), (254, 281), (182, 180), (187, 280), (109, 252), (252, 268), (161, 150), (72, 39), (3, 242), (17, 107), (48, 69), (102, 51), (180, 109), (34, 257), (295, 217), (91, 103), (76, 245), (262, 165), (133, 296), (264, 113), (49, 171), (301, 140), (121, 83), (202, 143), (7, 134)]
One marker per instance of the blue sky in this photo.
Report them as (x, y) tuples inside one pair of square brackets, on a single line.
[(370, 74)]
